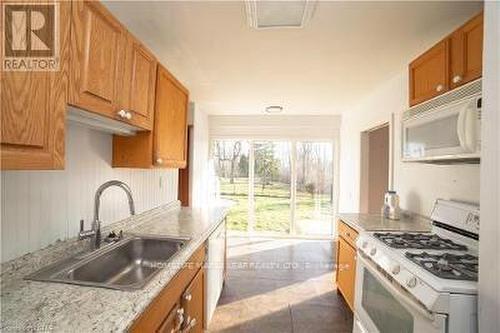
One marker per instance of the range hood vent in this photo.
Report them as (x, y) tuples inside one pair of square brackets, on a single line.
[(99, 123), (467, 90), (268, 14)]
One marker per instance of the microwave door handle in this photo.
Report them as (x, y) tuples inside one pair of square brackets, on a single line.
[(396, 292), (461, 124)]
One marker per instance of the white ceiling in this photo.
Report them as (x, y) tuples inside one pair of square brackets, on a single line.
[(345, 50)]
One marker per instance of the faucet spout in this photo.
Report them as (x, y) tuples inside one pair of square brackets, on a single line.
[(96, 225)]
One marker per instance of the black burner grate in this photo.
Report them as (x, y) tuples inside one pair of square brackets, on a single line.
[(418, 241), (447, 265)]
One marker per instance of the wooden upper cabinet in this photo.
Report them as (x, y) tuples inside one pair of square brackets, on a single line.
[(139, 84), (33, 107), (467, 52), (170, 129), (454, 61), (165, 145), (429, 73), (98, 42)]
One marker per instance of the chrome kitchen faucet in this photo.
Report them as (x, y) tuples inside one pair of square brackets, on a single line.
[(95, 232)]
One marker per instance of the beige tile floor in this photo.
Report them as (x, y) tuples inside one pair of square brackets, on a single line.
[(280, 285)]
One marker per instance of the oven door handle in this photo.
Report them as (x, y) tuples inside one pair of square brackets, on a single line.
[(398, 293)]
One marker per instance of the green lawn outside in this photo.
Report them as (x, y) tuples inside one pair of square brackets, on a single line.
[(272, 206)]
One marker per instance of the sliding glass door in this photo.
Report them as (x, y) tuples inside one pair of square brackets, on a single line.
[(314, 195), (283, 187), (272, 186), (231, 167)]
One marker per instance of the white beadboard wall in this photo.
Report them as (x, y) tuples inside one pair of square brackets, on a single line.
[(40, 207)]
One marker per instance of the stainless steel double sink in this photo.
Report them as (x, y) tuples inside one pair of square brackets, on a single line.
[(126, 265)]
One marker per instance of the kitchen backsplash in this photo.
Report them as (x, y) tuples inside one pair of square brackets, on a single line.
[(40, 207)]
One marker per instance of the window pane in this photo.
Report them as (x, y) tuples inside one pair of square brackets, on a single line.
[(314, 199), (272, 186), (231, 167)]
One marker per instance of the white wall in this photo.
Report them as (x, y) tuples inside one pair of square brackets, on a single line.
[(489, 248), (40, 207), (275, 127), (202, 176), (417, 184)]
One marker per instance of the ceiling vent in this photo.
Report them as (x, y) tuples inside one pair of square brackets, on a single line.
[(267, 14)]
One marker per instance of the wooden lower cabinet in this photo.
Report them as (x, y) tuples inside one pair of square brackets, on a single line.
[(346, 265), (192, 304), (174, 320), (171, 309), (346, 271)]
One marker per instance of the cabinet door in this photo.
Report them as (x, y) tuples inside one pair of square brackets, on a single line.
[(97, 61), (33, 106), (429, 73), (346, 271), (139, 84), (467, 52), (170, 125), (153, 318), (192, 303), (173, 321)]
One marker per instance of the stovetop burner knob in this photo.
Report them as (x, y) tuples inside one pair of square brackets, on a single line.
[(412, 282), (373, 251), (364, 244), (396, 269)]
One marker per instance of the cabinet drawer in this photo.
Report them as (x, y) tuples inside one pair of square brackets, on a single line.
[(347, 233)]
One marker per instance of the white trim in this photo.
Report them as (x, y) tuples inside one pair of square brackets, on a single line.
[(251, 187), (275, 127), (489, 233), (293, 187)]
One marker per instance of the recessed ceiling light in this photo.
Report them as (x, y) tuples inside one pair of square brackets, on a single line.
[(273, 109), (279, 14)]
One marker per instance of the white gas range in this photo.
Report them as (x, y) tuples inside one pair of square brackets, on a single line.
[(420, 282)]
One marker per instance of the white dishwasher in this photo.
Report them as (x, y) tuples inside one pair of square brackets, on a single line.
[(214, 270)]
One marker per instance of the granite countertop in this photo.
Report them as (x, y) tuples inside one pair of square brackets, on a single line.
[(376, 222), (43, 306)]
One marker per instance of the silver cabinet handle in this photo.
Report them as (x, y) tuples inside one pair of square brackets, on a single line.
[(180, 320), (122, 113), (188, 297), (159, 160), (439, 88), (189, 325), (457, 78)]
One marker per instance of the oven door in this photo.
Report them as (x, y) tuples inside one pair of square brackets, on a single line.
[(381, 306)]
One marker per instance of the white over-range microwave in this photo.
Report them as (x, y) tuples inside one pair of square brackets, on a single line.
[(444, 129)]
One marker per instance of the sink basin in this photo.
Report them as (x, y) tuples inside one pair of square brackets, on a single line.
[(126, 265)]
